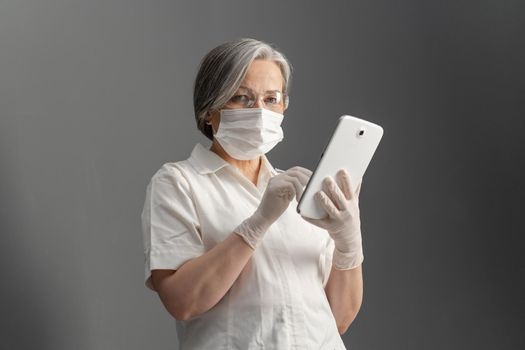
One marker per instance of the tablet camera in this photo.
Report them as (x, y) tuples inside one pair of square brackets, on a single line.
[(361, 132)]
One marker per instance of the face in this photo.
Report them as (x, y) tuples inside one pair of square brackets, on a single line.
[(264, 79)]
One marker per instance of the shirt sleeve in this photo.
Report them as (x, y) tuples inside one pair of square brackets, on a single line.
[(170, 224), (326, 259)]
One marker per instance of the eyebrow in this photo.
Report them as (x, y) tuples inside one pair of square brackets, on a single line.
[(247, 88)]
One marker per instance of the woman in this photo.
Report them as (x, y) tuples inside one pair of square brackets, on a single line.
[(227, 253)]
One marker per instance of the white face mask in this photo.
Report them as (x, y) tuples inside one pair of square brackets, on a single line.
[(246, 133)]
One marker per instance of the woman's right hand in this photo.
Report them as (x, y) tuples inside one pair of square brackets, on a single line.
[(280, 191), (278, 194)]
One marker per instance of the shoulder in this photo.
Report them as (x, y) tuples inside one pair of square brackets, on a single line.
[(173, 174)]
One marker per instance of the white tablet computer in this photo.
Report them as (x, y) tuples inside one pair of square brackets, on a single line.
[(351, 146)]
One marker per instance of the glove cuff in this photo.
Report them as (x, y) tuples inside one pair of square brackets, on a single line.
[(348, 260), (252, 229)]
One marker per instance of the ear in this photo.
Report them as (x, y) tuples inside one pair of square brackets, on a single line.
[(208, 118), (208, 122)]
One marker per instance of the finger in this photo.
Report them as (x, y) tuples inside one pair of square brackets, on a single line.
[(298, 187), (326, 204), (282, 187), (346, 183), (303, 178), (335, 194), (301, 170), (341, 182)]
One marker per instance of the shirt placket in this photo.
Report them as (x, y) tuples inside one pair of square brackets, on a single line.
[(294, 296), (285, 267)]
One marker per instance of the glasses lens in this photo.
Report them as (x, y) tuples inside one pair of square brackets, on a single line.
[(274, 100), (241, 100)]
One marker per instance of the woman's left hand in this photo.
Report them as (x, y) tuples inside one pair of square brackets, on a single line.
[(341, 201)]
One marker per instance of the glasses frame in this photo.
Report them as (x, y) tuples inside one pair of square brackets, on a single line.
[(254, 98)]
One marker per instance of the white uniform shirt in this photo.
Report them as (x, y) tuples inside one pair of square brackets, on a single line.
[(278, 301)]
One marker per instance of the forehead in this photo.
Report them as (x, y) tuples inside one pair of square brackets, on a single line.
[(263, 75)]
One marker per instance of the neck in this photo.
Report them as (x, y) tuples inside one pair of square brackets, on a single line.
[(250, 168)]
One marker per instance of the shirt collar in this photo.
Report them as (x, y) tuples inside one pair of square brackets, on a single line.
[(266, 163), (206, 161)]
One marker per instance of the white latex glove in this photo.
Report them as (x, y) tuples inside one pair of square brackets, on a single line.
[(279, 193), (341, 201)]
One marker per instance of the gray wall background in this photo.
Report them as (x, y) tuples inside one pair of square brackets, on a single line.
[(96, 95)]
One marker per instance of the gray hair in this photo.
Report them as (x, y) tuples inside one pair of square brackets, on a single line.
[(222, 71)]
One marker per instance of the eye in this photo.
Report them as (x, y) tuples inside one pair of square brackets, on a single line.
[(240, 99), (271, 100)]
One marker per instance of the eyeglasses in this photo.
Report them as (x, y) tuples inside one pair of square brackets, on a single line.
[(245, 98)]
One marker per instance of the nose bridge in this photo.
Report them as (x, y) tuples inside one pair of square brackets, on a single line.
[(259, 101)]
